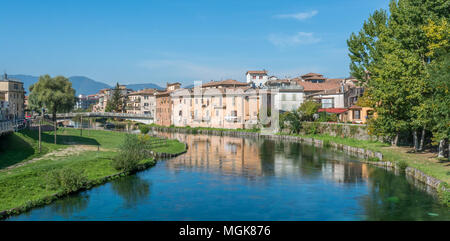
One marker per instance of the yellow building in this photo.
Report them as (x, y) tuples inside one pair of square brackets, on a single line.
[(14, 94)]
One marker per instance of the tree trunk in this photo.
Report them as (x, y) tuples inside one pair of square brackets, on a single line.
[(441, 149), (422, 139), (54, 124), (415, 140), (394, 140)]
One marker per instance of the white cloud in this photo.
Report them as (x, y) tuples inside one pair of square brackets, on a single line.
[(299, 16), (301, 38)]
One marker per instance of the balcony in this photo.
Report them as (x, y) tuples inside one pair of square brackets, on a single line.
[(232, 119)]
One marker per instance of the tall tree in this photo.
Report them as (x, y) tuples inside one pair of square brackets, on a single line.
[(390, 56), (54, 94), (116, 103)]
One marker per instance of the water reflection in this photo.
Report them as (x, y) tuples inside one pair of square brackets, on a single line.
[(258, 158), (132, 189), (70, 205), (228, 178)]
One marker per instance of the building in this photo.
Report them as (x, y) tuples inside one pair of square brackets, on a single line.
[(142, 102), (14, 94), (85, 102), (4, 107), (313, 78), (217, 104), (289, 96), (105, 95), (164, 105), (257, 77)]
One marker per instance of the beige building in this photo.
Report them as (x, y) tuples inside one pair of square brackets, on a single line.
[(218, 104), (142, 102), (105, 95), (14, 95)]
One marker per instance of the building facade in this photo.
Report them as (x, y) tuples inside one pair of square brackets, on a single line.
[(219, 104), (257, 77), (85, 102), (142, 102), (164, 105), (14, 94)]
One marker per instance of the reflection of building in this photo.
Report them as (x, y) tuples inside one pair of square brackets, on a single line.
[(222, 154), (345, 171), (14, 94)]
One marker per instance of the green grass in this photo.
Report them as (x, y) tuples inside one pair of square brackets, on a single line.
[(171, 147), (28, 183)]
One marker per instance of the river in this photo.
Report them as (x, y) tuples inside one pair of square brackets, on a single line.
[(228, 178)]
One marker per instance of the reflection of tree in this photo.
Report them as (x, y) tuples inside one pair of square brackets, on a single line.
[(132, 189), (72, 204), (391, 197), (267, 156)]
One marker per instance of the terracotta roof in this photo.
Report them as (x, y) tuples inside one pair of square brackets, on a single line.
[(355, 107), (333, 110), (311, 74), (308, 86), (314, 77), (256, 72), (171, 84), (225, 83)]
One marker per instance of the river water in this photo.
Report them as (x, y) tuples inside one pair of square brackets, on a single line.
[(228, 178)]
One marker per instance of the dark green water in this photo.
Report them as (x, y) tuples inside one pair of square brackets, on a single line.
[(225, 178)]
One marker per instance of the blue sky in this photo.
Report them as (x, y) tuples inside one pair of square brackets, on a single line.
[(165, 41)]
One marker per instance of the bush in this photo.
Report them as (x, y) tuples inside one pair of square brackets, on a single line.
[(402, 165), (145, 129), (133, 149), (67, 179)]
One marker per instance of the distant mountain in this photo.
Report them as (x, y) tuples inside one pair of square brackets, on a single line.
[(82, 85), (86, 86), (144, 86)]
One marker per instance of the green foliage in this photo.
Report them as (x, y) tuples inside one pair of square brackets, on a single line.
[(402, 165), (67, 179), (294, 120), (390, 57), (308, 109), (117, 101), (55, 94), (145, 129), (133, 150), (312, 128)]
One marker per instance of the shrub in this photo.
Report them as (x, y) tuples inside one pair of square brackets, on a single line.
[(402, 165), (67, 179), (133, 149), (145, 129)]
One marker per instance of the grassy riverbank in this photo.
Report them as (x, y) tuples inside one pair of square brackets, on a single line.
[(25, 183)]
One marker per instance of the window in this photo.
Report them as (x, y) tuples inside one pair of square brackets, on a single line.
[(254, 77), (294, 97), (327, 103), (357, 114), (217, 112), (234, 101), (283, 97), (260, 77)]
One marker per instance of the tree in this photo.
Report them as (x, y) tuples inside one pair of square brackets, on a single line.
[(294, 120), (390, 56), (308, 109), (116, 102), (54, 94)]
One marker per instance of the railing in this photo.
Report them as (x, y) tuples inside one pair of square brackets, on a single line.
[(232, 118), (104, 114), (6, 126)]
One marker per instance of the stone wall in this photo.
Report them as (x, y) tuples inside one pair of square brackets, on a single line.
[(355, 131)]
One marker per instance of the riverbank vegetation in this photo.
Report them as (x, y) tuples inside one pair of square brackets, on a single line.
[(77, 163)]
